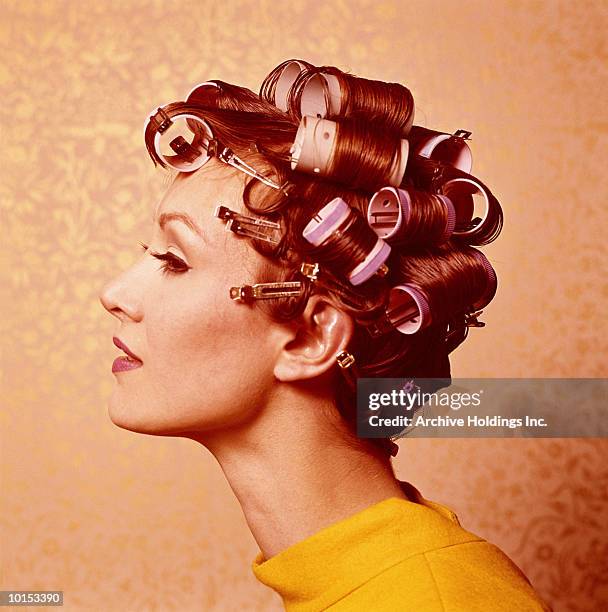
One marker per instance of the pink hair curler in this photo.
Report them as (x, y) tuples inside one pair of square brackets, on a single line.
[(491, 285), (407, 311), (326, 221), (330, 219), (389, 212)]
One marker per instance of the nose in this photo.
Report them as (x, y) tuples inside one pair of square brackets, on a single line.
[(121, 298)]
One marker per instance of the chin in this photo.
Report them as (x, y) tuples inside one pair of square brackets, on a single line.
[(128, 416), (131, 417)]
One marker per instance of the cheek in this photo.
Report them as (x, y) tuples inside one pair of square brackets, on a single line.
[(215, 370), (204, 337)]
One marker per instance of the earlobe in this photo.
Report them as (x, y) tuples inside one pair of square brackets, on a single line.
[(323, 332)]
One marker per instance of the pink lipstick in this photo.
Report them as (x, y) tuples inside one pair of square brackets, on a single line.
[(121, 364), (131, 361)]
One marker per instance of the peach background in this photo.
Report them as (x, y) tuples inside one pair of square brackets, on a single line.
[(127, 522)]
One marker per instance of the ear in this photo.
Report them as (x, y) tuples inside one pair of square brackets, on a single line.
[(311, 349)]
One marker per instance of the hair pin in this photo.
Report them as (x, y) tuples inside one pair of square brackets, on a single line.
[(160, 121), (459, 330), (252, 227), (265, 291)]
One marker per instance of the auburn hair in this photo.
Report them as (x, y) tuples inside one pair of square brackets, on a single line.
[(451, 274)]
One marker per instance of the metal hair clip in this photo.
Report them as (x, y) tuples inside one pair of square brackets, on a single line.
[(470, 319), (229, 157), (315, 274), (288, 188), (458, 331), (464, 134), (310, 270), (252, 227), (161, 121), (265, 291)]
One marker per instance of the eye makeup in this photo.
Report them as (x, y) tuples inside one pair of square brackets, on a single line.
[(171, 263)]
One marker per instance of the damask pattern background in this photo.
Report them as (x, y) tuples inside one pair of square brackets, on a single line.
[(120, 521)]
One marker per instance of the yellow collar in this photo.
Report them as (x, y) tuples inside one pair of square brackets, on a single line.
[(316, 572)]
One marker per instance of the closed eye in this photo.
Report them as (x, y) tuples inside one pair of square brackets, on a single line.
[(171, 263)]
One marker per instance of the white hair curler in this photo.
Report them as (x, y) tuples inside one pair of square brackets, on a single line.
[(284, 83), (460, 191), (321, 96), (450, 149), (183, 142), (314, 147), (203, 93)]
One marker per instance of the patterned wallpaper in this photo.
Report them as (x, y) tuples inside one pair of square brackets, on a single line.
[(127, 522)]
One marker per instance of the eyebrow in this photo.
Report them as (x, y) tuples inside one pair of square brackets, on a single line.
[(184, 218)]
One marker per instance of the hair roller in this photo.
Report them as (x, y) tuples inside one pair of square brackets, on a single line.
[(276, 86), (327, 92), (453, 283), (476, 230), (450, 149), (491, 283), (321, 96), (459, 187), (346, 243), (349, 152), (204, 94), (411, 216), (458, 327), (407, 311)]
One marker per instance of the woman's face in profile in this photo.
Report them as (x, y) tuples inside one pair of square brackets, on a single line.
[(207, 360)]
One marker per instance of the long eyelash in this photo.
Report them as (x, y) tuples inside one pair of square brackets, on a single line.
[(171, 263)]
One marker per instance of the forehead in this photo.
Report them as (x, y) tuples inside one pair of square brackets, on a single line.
[(199, 193)]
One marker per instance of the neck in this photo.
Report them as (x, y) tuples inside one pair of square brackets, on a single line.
[(294, 475)]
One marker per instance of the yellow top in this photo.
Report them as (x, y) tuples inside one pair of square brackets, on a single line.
[(397, 555)]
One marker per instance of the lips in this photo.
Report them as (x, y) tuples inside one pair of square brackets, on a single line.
[(123, 347)]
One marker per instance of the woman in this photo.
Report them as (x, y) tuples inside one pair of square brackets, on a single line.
[(348, 255)]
